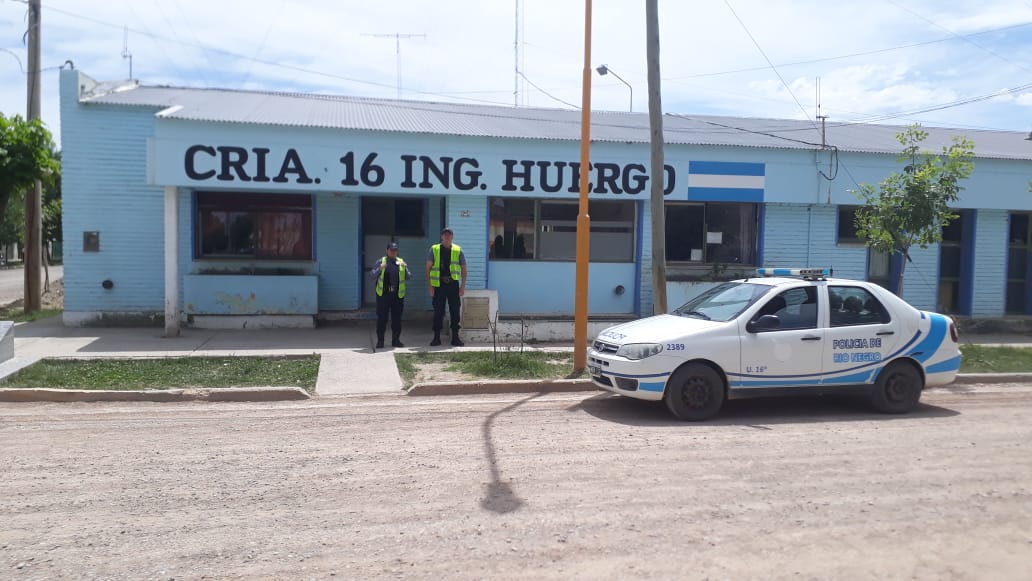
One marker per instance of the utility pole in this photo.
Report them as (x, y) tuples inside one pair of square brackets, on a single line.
[(397, 48), (33, 198), (659, 296), (580, 313)]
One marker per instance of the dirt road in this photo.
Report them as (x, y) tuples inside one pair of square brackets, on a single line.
[(577, 485)]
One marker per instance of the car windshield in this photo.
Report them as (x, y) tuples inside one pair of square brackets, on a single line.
[(723, 302)]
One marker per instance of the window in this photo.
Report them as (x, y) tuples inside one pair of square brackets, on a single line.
[(394, 217), (273, 226), (795, 308), (879, 269), (852, 305), (547, 230), (711, 233), (949, 267), (847, 225), (1017, 262)]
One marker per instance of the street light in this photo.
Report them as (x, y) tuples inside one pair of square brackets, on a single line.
[(604, 70)]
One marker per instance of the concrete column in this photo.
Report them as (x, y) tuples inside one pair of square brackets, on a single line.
[(171, 261)]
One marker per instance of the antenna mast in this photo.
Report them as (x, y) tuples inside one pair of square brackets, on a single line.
[(516, 61), (125, 51), (397, 43)]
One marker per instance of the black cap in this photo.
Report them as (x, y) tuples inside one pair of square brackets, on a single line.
[(392, 246), (446, 230)]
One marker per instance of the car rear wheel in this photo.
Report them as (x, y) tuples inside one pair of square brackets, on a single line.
[(898, 388), (695, 392)]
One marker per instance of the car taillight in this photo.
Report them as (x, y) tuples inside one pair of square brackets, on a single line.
[(953, 332)]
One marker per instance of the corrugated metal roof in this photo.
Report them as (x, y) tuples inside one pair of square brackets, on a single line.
[(360, 113)]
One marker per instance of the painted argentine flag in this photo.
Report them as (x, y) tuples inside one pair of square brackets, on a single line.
[(725, 181)]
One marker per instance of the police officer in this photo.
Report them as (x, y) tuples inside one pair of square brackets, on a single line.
[(390, 273), (446, 273)]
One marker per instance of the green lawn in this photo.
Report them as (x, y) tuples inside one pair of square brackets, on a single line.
[(18, 315), (981, 359), (491, 365), (172, 372)]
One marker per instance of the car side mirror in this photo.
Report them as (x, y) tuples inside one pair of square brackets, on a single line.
[(764, 323)]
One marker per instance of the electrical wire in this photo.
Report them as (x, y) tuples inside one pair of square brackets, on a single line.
[(806, 114), (546, 93)]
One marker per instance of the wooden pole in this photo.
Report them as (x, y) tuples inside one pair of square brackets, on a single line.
[(659, 295), (580, 319), (34, 197)]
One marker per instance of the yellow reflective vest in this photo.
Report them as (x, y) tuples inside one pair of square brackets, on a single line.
[(402, 275), (455, 268)]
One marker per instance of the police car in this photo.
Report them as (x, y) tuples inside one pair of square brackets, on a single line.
[(785, 331)]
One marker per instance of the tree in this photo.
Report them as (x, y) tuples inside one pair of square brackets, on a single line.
[(26, 155), (911, 208)]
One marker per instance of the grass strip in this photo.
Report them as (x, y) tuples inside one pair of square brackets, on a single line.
[(18, 315), (491, 365), (985, 359), (168, 373)]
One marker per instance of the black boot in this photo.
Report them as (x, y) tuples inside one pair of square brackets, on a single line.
[(456, 341), (437, 339), (379, 342), (396, 341)]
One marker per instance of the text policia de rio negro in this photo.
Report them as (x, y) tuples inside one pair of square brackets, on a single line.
[(221, 164)]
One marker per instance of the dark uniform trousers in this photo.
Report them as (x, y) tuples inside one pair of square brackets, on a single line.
[(389, 304), (448, 292)]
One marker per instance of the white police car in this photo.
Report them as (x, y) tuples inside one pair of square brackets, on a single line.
[(786, 331)]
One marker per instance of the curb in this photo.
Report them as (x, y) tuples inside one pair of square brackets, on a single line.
[(501, 386), (965, 378), (154, 395)]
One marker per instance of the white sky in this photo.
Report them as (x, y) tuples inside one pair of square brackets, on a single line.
[(885, 60)]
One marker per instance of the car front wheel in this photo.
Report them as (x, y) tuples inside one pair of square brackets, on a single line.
[(695, 392), (898, 388)]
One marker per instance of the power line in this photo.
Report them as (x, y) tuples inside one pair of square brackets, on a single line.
[(774, 68), (852, 55)]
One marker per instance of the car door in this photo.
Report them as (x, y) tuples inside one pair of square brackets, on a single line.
[(861, 334), (788, 355)]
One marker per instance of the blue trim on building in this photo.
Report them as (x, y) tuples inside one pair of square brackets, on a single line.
[(639, 254), (726, 168), (761, 231), (725, 195)]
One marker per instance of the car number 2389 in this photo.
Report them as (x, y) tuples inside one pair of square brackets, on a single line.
[(674, 346)]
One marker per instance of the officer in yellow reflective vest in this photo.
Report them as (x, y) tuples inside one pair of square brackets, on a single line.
[(390, 273), (446, 273)]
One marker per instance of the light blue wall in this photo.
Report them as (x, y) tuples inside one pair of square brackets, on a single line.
[(251, 295), (990, 278), (806, 236), (336, 227), (921, 278), (103, 180), (550, 287)]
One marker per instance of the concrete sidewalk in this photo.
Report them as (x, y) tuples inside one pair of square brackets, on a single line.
[(349, 365)]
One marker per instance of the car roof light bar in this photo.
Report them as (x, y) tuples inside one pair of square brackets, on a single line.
[(807, 273)]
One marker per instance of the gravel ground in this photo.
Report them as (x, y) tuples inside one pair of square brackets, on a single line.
[(534, 487)]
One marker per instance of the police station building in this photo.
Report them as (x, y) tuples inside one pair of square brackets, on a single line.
[(209, 207)]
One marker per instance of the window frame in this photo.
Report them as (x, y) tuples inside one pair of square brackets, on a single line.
[(260, 207), (597, 227), (753, 245)]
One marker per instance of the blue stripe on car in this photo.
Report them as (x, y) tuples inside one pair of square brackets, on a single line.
[(931, 343), (657, 386), (952, 364)]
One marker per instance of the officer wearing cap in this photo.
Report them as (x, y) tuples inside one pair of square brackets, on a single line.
[(391, 274), (446, 273)]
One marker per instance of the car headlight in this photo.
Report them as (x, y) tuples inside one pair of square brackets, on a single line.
[(639, 350)]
